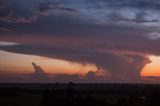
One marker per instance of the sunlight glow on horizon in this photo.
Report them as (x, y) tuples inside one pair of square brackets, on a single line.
[(20, 63), (153, 68)]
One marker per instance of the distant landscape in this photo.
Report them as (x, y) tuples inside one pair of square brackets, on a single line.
[(79, 52), (79, 94)]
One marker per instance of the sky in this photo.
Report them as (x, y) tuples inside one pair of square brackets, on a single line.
[(104, 41)]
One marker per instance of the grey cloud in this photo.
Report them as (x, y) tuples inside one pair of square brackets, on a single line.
[(7, 14), (29, 12), (2, 5), (91, 76), (62, 78), (126, 12), (100, 28), (94, 37), (39, 73), (151, 79), (68, 78), (65, 78), (141, 17), (67, 34), (33, 11), (107, 61), (5, 29), (48, 6), (153, 36), (62, 32), (140, 4), (136, 19)]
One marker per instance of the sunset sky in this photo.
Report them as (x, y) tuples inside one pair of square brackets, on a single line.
[(105, 41)]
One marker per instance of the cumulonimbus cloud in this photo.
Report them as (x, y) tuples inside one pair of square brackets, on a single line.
[(115, 36), (119, 66)]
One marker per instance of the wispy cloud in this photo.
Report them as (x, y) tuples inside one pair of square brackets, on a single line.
[(154, 36), (7, 43)]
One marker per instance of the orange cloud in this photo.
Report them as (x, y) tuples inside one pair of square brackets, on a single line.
[(152, 69)]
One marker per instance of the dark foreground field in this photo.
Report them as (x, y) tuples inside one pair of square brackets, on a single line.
[(79, 94)]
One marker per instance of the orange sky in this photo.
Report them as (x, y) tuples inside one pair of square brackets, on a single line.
[(153, 68), (18, 63)]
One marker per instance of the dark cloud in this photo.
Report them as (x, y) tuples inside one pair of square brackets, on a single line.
[(11, 13), (2, 5), (91, 75), (68, 78), (114, 35), (46, 7), (94, 37), (28, 11), (5, 29), (8, 14), (63, 78), (138, 4), (151, 79), (40, 76), (39, 73), (126, 66), (59, 15), (139, 18)]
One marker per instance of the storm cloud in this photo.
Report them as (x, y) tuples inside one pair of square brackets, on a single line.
[(120, 66), (116, 36)]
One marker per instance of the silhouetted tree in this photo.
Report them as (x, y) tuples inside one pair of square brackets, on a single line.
[(70, 89)]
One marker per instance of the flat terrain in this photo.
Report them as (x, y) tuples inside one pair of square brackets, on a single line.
[(72, 94)]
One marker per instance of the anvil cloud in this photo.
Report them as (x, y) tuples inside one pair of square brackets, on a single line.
[(115, 35)]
